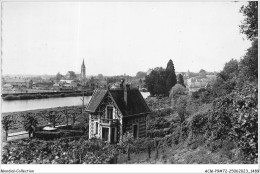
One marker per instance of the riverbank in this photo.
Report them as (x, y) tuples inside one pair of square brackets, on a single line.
[(26, 96)]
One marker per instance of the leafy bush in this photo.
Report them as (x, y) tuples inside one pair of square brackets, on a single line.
[(63, 151), (236, 116), (158, 123), (47, 135), (177, 90), (198, 123)]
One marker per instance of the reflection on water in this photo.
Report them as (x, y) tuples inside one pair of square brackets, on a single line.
[(23, 105)]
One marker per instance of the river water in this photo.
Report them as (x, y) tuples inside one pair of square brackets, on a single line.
[(32, 104)]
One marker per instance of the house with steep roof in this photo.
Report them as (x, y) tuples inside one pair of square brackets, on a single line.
[(113, 112)]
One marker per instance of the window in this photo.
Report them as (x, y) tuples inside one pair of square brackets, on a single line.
[(105, 132), (109, 112), (96, 129), (135, 130), (113, 135)]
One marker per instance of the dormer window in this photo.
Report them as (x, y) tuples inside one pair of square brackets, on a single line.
[(109, 112)]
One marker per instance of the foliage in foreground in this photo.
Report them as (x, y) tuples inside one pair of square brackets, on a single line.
[(63, 151)]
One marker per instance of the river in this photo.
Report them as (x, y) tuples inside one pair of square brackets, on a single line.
[(32, 104)]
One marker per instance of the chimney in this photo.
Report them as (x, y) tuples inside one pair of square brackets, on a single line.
[(127, 87)]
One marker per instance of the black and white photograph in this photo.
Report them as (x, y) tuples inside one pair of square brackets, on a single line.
[(149, 86)]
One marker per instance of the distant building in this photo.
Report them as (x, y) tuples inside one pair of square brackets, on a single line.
[(16, 82), (56, 86), (113, 112), (83, 73), (30, 84), (7, 86), (43, 85), (66, 81), (195, 83)]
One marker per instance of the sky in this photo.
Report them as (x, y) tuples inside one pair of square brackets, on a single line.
[(116, 38)]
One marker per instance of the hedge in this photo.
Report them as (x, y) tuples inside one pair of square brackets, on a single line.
[(47, 135)]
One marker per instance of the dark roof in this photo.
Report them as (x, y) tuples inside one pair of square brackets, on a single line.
[(95, 100), (135, 101)]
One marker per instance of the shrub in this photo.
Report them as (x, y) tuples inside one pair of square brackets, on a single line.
[(177, 90), (44, 135), (158, 123), (198, 123), (236, 116), (71, 133), (62, 151)]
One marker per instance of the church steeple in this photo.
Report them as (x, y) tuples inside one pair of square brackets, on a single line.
[(83, 65), (83, 72)]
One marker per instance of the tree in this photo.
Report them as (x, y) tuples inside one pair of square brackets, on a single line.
[(249, 64), (155, 81), (9, 122), (71, 75), (170, 81), (58, 76), (202, 73), (170, 66), (180, 80), (249, 26), (140, 75), (29, 123), (181, 110), (230, 69), (170, 76), (54, 117), (226, 79), (74, 114), (160, 81), (222, 87), (100, 76)]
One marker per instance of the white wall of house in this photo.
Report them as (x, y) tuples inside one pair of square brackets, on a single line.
[(92, 124)]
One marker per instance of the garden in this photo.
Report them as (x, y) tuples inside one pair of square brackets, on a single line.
[(47, 123)]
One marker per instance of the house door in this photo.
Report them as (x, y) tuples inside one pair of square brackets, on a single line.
[(113, 135), (105, 132), (135, 131)]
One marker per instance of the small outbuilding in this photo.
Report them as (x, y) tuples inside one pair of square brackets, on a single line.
[(113, 112)]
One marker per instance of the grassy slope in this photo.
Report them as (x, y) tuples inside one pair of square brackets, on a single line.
[(183, 153)]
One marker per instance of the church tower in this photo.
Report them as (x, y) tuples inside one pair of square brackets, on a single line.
[(83, 73)]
